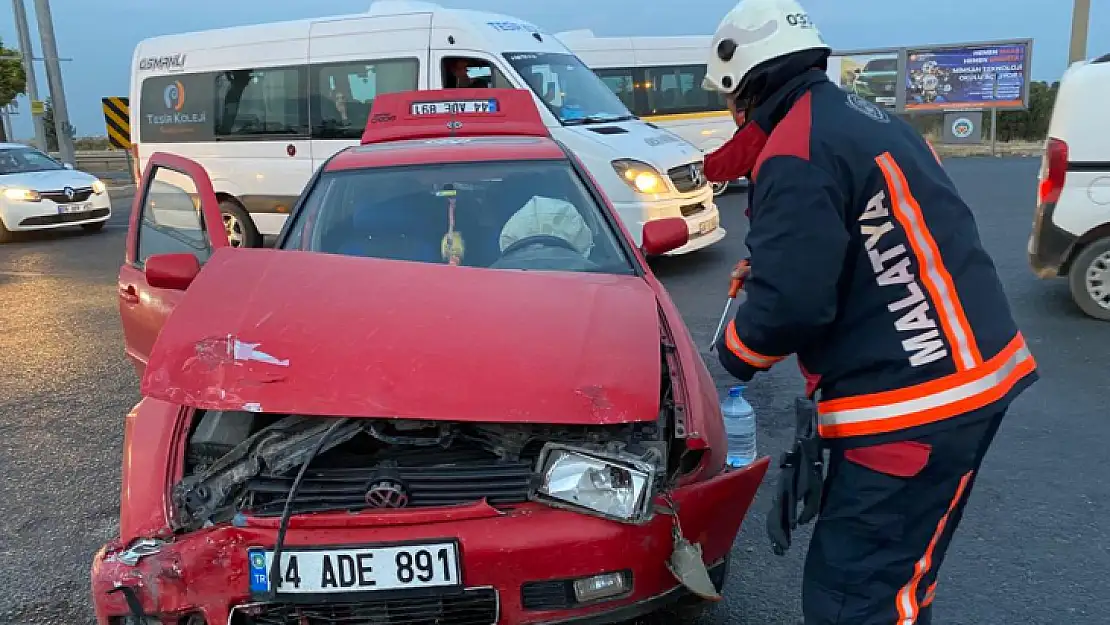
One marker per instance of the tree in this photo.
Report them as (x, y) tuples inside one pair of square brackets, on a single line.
[(48, 127), (13, 80)]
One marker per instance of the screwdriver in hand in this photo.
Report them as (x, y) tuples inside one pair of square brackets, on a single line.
[(739, 274)]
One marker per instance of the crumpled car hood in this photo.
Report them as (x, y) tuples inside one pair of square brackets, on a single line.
[(318, 334)]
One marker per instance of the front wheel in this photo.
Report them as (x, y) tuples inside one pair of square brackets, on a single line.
[(1089, 279), (719, 188), (239, 226)]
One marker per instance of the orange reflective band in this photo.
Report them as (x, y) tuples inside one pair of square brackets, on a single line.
[(908, 608), (938, 282), (930, 594), (934, 151), (745, 353), (933, 401)]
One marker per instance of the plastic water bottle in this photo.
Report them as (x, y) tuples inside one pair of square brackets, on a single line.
[(740, 427)]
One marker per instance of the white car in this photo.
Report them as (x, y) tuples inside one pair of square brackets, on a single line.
[(39, 193)]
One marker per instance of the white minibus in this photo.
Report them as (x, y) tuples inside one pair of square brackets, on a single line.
[(659, 79), (261, 107)]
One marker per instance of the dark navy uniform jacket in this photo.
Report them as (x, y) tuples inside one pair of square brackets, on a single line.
[(867, 264)]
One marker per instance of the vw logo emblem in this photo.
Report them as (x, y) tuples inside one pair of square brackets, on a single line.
[(69, 193), (387, 494)]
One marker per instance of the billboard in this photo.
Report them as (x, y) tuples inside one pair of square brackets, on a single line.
[(973, 76), (874, 76)]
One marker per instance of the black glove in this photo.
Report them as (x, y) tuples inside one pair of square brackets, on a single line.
[(801, 478)]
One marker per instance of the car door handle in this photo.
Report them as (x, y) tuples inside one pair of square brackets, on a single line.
[(129, 294)]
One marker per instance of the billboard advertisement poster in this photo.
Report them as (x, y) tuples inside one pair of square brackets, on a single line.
[(967, 77), (872, 76)]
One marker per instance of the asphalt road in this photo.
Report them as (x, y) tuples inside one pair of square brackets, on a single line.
[(1033, 547)]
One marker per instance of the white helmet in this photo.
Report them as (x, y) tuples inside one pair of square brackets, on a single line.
[(753, 32)]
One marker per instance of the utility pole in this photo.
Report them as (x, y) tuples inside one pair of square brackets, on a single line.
[(1080, 24), (54, 77), (27, 53)]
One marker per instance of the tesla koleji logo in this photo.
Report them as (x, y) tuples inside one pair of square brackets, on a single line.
[(174, 95)]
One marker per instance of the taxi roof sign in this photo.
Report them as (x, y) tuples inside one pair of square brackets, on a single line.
[(453, 113)]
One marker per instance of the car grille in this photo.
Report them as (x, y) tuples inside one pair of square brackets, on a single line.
[(471, 607), (430, 478), (80, 195), (687, 178), (64, 218), (690, 210)]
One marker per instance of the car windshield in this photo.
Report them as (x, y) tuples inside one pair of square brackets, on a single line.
[(23, 160), (568, 88), (500, 215)]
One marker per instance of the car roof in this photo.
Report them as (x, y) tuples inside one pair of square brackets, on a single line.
[(446, 150), (450, 126)]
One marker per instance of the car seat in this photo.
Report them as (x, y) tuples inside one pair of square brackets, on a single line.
[(395, 229)]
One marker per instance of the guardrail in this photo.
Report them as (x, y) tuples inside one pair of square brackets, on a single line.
[(102, 161)]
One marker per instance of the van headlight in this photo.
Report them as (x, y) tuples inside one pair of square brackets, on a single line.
[(98, 187), (640, 176), (617, 487)]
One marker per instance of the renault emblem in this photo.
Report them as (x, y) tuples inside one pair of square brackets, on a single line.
[(69, 193), (387, 494)]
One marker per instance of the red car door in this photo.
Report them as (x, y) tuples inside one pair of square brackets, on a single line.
[(175, 212)]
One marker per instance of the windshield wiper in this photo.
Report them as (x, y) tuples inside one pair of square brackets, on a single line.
[(597, 119)]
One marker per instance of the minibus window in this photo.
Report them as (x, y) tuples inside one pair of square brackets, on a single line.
[(342, 93), (569, 89)]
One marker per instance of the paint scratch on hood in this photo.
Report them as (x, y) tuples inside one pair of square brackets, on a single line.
[(219, 350)]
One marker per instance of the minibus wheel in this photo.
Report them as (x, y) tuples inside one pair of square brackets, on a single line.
[(1089, 279), (239, 225)]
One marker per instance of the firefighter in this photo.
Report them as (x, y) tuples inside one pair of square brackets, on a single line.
[(866, 264)]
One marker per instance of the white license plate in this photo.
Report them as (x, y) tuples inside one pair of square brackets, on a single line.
[(707, 226), (456, 106), (357, 569), (79, 207)]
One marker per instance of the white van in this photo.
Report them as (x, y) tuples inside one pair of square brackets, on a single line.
[(1071, 225), (261, 107), (659, 79)]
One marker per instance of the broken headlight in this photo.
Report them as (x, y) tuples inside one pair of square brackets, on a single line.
[(617, 487)]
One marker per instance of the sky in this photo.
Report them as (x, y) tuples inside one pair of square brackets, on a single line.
[(100, 35)]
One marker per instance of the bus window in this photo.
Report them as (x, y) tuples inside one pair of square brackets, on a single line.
[(479, 73), (677, 89), (342, 93)]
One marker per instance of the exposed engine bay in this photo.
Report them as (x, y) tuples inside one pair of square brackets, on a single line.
[(244, 462)]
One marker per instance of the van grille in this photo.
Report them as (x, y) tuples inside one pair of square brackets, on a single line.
[(687, 178)]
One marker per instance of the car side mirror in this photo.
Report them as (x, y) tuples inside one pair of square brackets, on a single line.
[(67, 165), (171, 271), (664, 235)]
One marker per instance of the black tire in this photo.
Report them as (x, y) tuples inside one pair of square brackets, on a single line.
[(240, 226), (94, 227), (6, 236), (1089, 279)]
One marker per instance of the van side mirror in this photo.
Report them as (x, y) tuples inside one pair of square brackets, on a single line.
[(664, 235), (67, 165), (171, 271)]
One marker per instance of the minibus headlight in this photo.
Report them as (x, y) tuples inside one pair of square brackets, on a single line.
[(642, 177)]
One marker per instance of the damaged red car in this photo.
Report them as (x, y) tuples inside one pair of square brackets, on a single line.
[(454, 394)]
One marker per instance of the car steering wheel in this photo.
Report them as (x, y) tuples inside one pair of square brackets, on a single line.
[(541, 239)]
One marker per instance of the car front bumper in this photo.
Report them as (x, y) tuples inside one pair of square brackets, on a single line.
[(206, 572), (45, 214)]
